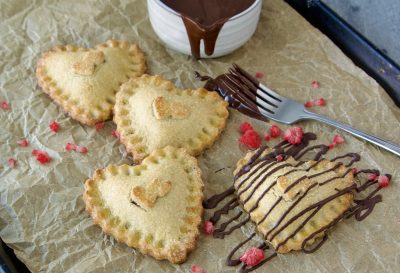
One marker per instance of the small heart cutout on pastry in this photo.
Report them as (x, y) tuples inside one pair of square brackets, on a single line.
[(84, 81), (151, 113), (155, 207), (293, 202)]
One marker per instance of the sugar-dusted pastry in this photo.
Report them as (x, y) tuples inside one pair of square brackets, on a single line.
[(151, 113), (84, 81), (293, 202), (155, 207)]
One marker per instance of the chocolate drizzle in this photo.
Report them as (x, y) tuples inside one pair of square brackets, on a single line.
[(204, 19), (236, 88), (266, 165)]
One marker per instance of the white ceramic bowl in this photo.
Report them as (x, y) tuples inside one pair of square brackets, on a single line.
[(169, 27)]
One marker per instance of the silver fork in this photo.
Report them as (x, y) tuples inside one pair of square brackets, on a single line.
[(278, 108)]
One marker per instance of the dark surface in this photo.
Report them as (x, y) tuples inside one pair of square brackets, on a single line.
[(359, 49), (8, 262), (377, 20), (354, 45)]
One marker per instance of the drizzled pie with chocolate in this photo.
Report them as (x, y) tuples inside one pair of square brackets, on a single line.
[(293, 202)]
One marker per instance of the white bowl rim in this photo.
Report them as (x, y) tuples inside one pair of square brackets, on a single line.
[(230, 19)]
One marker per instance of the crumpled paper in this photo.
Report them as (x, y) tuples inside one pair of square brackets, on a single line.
[(42, 214)]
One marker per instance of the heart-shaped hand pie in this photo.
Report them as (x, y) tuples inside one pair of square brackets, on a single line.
[(84, 81), (151, 113), (155, 207), (293, 202)]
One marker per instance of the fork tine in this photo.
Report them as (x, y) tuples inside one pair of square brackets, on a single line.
[(251, 88), (248, 98), (266, 106), (262, 87), (251, 81)]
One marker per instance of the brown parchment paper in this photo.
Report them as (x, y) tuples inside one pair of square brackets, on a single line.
[(42, 214)]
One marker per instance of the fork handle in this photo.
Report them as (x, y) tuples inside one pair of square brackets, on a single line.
[(389, 146)]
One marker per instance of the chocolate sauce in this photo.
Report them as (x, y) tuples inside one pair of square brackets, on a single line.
[(237, 90), (204, 19), (267, 163)]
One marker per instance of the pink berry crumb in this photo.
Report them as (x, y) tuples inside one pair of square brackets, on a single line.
[(41, 157), (293, 135), (259, 74), (315, 84), (267, 137), (372, 176), (99, 126), (320, 102), (279, 157), (54, 126), (5, 105), (115, 133), (245, 126), (252, 256), (309, 104), (251, 139), (197, 269), (338, 139), (81, 149), (12, 162), (208, 227), (275, 131), (383, 181), (70, 147), (23, 142)]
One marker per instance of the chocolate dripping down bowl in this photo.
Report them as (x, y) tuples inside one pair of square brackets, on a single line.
[(235, 32)]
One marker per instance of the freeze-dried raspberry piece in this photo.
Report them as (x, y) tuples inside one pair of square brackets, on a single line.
[(245, 126), (41, 156), (267, 137), (293, 135), (372, 176), (259, 74), (338, 139), (315, 84), (197, 269), (354, 171), (82, 150), (208, 227), (5, 105), (252, 256), (23, 142), (275, 131), (99, 126), (54, 126), (115, 133), (309, 104), (251, 139), (279, 157), (12, 162), (70, 147), (383, 181), (320, 102)]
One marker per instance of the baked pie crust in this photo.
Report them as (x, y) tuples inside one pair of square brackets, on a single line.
[(84, 81), (169, 180), (151, 113), (278, 191)]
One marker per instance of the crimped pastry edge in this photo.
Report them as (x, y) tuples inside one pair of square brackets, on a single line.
[(346, 198), (126, 91), (177, 255), (76, 112)]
